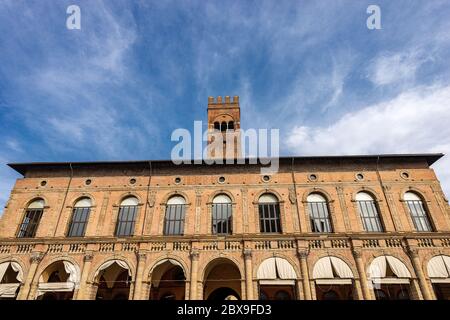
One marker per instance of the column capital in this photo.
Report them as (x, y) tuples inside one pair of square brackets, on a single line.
[(247, 254), (194, 255), (302, 254), (88, 257), (142, 256), (36, 257), (413, 252), (357, 253)]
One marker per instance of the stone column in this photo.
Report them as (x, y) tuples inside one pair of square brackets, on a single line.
[(142, 257), (299, 290), (248, 274), (362, 275), (358, 293), (194, 266), (302, 255), (25, 291), (414, 254), (83, 291)]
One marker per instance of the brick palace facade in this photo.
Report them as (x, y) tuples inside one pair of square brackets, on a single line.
[(333, 227)]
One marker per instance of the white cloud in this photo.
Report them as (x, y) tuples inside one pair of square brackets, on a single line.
[(390, 68), (415, 121)]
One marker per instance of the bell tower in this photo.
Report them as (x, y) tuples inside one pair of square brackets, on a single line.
[(224, 123)]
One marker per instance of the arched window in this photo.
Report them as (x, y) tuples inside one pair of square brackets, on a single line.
[(80, 217), (369, 212), (217, 126), (269, 213), (175, 214), (223, 126), (418, 213), (221, 215), (318, 212), (31, 219), (127, 217), (230, 125)]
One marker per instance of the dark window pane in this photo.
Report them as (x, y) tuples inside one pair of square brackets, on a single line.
[(126, 221), (30, 223), (269, 217), (320, 218), (419, 215), (80, 217), (174, 219), (370, 216), (221, 218)]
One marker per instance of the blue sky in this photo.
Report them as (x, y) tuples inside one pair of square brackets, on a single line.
[(137, 70)]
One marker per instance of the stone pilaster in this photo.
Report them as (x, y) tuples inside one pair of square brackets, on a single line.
[(302, 256), (414, 255), (25, 291), (367, 294), (194, 276), (142, 258), (83, 290), (248, 274)]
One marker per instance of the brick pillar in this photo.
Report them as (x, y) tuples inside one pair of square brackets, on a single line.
[(142, 257), (413, 253), (302, 255), (248, 274), (194, 283), (25, 290), (362, 275), (83, 291)]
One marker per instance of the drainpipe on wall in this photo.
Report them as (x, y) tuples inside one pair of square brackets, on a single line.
[(384, 194), (148, 191), (295, 190), (64, 201)]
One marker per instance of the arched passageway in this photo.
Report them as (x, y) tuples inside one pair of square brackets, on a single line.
[(58, 281), (333, 279), (113, 280), (390, 279), (439, 272), (11, 276), (276, 279), (223, 293), (222, 281), (168, 281)]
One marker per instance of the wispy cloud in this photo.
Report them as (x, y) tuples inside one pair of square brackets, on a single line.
[(391, 68)]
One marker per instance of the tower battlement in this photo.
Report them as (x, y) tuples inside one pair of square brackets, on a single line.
[(223, 101)]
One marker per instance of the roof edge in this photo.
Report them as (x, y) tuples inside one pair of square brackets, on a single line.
[(21, 168)]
